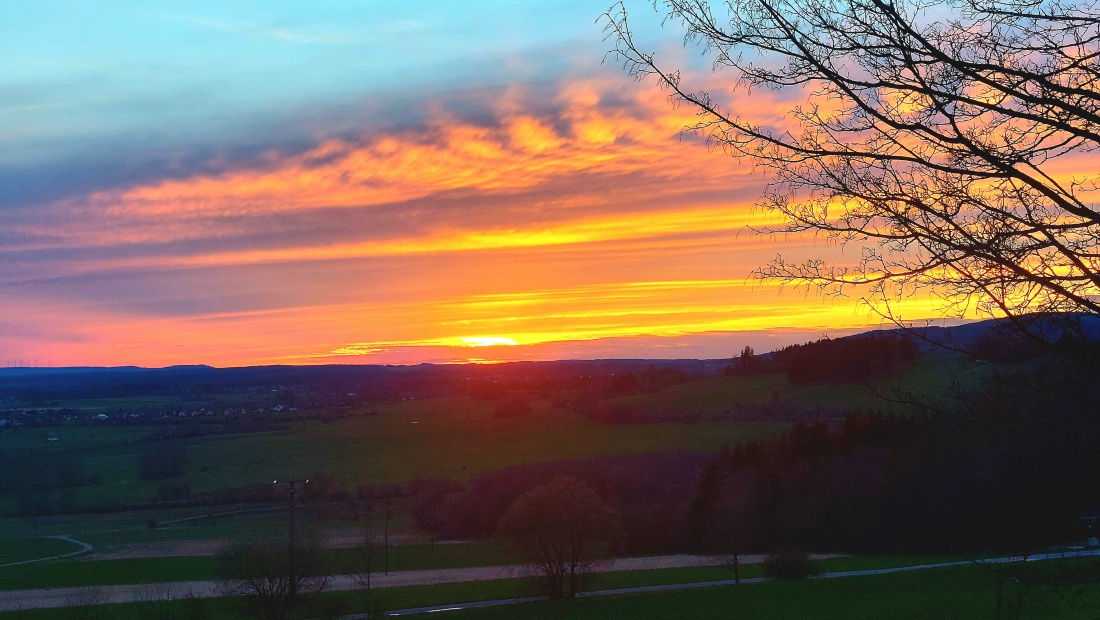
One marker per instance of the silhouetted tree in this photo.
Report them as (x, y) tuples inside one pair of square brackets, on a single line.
[(788, 565), (560, 528), (929, 134), (264, 573), (427, 510), (746, 363), (368, 554), (729, 529)]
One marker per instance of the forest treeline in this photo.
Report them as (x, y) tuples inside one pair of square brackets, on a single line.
[(843, 360), (1010, 467)]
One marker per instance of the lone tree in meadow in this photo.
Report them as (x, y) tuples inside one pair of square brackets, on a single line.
[(939, 137), (275, 576), (368, 553), (561, 528), (728, 533)]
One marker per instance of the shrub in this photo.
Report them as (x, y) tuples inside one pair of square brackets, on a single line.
[(162, 462), (789, 566)]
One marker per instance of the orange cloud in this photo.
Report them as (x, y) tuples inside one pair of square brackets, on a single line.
[(519, 151), (586, 220)]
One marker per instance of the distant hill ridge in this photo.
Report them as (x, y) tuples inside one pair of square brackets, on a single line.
[(1052, 327), (24, 371)]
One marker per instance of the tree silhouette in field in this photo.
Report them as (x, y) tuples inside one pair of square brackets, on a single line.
[(935, 136), (560, 528), (274, 576)]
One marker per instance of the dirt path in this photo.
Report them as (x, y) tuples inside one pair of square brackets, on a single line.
[(15, 600), (84, 548)]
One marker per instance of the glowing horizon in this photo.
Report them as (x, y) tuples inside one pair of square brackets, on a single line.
[(313, 185)]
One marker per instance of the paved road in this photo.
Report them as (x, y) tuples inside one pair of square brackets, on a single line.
[(728, 582), (15, 600), (64, 597)]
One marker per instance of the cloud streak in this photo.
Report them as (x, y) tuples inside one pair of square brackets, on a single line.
[(549, 217)]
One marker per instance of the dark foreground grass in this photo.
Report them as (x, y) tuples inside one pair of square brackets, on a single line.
[(962, 592), (326, 605), (71, 573)]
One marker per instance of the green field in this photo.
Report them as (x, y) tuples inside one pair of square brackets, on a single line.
[(455, 437), (67, 573), (109, 532), (70, 439), (928, 378), (446, 437)]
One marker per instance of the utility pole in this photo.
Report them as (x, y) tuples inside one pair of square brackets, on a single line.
[(386, 545), (292, 532)]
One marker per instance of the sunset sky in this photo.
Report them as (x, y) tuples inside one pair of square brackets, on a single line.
[(236, 183)]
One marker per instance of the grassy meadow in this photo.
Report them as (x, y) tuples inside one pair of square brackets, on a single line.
[(456, 437), (440, 438), (76, 572)]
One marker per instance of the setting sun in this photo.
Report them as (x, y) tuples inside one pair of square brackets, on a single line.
[(488, 341), (560, 203)]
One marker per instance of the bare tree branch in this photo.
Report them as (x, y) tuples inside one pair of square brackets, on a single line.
[(928, 137)]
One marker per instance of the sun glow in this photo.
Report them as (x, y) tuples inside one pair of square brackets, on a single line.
[(487, 341), (586, 230)]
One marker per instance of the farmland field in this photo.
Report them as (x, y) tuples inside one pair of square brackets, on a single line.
[(451, 437), (445, 437), (929, 377)]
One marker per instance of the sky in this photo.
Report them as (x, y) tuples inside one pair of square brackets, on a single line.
[(361, 182)]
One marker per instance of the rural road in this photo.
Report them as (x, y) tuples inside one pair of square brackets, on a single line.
[(13, 600), (16, 600), (727, 582)]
